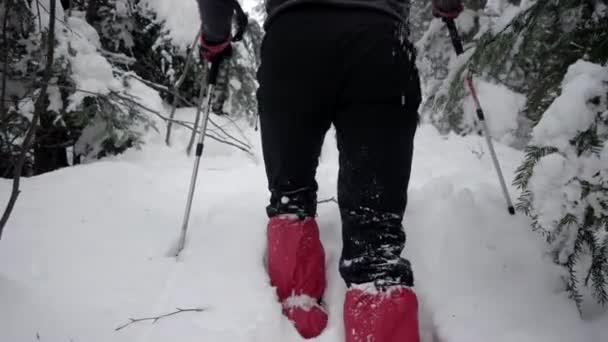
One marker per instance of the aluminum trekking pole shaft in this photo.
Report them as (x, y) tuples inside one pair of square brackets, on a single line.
[(457, 42), (213, 70)]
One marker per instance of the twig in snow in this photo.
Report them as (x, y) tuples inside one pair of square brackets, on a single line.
[(156, 318), (333, 199)]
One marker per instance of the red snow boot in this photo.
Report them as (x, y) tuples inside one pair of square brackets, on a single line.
[(296, 266), (381, 316)]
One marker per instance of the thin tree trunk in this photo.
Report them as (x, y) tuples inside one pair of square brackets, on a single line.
[(50, 152), (92, 9), (5, 146), (176, 87), (39, 108), (3, 109)]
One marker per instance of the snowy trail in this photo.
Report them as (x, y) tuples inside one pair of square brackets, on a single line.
[(87, 248)]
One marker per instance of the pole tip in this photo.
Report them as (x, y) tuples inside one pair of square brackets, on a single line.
[(511, 210)]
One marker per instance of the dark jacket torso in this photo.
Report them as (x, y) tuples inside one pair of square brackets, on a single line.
[(398, 9), (216, 14)]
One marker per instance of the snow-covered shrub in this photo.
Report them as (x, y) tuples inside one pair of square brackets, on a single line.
[(91, 111), (134, 38), (102, 114), (564, 179), (145, 34)]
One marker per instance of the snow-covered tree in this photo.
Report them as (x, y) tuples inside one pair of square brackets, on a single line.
[(525, 46), (89, 109), (564, 179)]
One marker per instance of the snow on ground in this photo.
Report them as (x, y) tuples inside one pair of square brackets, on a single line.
[(87, 249)]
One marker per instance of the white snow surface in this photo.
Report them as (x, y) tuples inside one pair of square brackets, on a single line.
[(88, 247)]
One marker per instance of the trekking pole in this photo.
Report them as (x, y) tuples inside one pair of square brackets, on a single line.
[(457, 42), (211, 80)]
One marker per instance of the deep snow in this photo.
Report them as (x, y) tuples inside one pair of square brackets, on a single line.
[(87, 248)]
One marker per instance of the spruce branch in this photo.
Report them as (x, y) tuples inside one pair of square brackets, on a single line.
[(157, 318)]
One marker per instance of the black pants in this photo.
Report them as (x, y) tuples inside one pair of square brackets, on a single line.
[(354, 69)]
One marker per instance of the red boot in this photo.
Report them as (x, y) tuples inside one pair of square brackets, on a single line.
[(381, 316), (296, 266)]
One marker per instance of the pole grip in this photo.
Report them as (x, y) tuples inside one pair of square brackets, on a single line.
[(214, 69), (454, 35)]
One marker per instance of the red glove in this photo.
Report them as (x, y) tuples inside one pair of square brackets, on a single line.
[(447, 9), (215, 52)]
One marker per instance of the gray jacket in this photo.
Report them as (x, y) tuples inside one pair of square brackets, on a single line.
[(216, 15)]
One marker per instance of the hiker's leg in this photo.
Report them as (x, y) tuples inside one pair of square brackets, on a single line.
[(375, 127), (296, 104)]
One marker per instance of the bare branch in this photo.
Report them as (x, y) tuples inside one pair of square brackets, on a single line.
[(39, 108), (177, 122), (228, 135), (119, 58), (186, 101), (238, 129), (156, 318)]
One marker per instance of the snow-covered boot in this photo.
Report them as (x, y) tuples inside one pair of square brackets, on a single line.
[(389, 315), (296, 266)]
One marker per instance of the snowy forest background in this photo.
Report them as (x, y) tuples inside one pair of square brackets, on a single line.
[(97, 78)]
